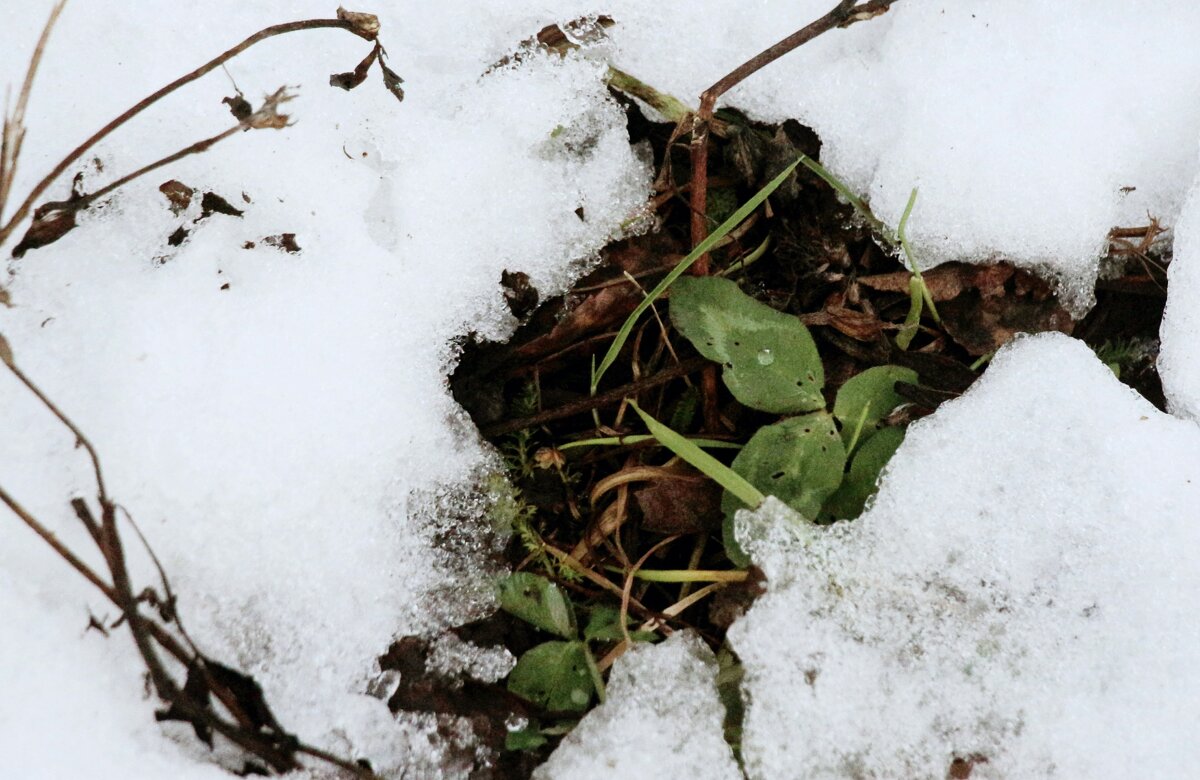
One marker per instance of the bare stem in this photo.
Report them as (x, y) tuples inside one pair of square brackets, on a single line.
[(14, 125), (80, 439), (144, 103)]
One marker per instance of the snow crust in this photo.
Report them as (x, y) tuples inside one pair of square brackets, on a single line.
[(1020, 125), (1179, 359), (662, 718), (1005, 597), (1022, 589), (279, 423)]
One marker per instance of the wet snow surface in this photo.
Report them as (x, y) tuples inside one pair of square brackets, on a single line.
[(278, 423)]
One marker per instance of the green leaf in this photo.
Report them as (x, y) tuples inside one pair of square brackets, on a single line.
[(800, 461), (714, 469), (529, 738), (867, 398), (701, 249), (604, 625), (733, 551), (538, 601), (770, 359), (554, 676), (861, 481)]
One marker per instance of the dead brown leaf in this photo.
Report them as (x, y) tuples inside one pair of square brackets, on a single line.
[(349, 81), (682, 505), (983, 307), (284, 241), (947, 281), (597, 312), (855, 324), (178, 194)]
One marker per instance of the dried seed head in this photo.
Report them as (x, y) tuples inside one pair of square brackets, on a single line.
[(366, 25)]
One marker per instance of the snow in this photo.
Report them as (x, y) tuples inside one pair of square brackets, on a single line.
[(1021, 590), (1179, 361), (662, 718), (286, 443), (1020, 124), (1004, 597)]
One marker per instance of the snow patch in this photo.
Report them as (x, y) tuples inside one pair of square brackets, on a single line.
[(662, 718), (1023, 591)]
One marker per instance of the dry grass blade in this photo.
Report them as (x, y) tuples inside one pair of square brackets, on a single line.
[(14, 123)]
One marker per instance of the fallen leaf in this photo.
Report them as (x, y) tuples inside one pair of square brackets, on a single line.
[(179, 195), (391, 80), (212, 203), (349, 81), (521, 296), (983, 307), (284, 241), (51, 221), (596, 313), (680, 505), (855, 324), (946, 281)]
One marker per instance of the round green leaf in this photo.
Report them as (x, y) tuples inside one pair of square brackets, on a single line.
[(770, 359), (554, 676), (869, 397), (861, 481), (800, 461), (538, 601)]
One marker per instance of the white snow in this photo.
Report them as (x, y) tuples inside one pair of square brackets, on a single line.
[(1023, 589), (287, 444), (1019, 123), (662, 718), (1179, 360)]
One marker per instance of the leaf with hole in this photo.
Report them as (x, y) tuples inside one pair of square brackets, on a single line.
[(770, 359), (860, 482), (867, 398), (554, 676), (800, 461), (538, 601)]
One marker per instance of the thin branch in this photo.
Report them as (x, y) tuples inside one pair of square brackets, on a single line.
[(843, 14), (272, 745), (597, 401), (269, 32), (257, 119), (51, 539), (708, 100), (80, 439)]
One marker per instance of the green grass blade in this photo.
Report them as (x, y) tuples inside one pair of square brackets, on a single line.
[(710, 466), (913, 320), (855, 201), (912, 259), (702, 248)]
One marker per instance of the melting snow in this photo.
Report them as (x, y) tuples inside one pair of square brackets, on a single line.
[(662, 718), (279, 423), (1021, 591), (1024, 589)]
